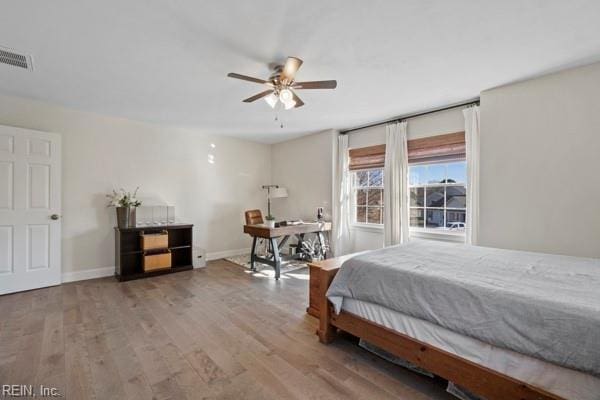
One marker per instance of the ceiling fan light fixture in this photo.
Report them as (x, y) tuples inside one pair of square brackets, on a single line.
[(286, 95), (289, 104), (272, 100)]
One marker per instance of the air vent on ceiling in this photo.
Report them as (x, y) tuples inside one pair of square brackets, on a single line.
[(10, 57)]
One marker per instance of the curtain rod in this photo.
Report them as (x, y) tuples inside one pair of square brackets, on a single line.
[(474, 101)]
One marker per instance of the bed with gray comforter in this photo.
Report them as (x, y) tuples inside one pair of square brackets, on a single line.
[(544, 306)]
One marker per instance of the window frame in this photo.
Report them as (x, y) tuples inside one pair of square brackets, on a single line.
[(424, 231), (353, 204)]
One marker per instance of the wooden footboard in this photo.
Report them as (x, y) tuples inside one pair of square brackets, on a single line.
[(479, 379)]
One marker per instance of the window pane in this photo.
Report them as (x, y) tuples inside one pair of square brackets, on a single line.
[(416, 217), (435, 196), (417, 174), (362, 178), (457, 172), (455, 220), (376, 177), (374, 215), (361, 197), (436, 173), (417, 197), (456, 197), (375, 197), (361, 214), (435, 219), (438, 206)]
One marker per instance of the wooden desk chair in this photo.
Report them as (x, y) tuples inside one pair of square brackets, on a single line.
[(254, 217)]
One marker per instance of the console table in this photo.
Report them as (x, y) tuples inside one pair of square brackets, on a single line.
[(129, 254)]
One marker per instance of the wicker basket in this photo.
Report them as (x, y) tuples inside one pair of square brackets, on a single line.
[(153, 262), (153, 241)]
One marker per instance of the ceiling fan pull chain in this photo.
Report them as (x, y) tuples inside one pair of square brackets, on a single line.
[(278, 121)]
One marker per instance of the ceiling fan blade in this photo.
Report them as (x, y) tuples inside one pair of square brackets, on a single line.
[(315, 85), (292, 65), (245, 78), (299, 103), (257, 96)]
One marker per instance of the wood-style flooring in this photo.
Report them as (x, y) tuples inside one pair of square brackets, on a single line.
[(215, 333)]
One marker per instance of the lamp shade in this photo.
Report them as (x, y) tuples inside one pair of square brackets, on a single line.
[(278, 193), (272, 100), (289, 105)]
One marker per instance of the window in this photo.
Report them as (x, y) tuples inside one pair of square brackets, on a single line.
[(438, 196), (437, 183), (367, 189)]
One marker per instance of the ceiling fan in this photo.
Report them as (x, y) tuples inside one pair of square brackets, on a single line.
[(282, 85)]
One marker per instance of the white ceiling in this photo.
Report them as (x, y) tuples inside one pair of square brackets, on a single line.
[(166, 61)]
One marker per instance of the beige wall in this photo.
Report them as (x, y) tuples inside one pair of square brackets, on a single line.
[(540, 160), (101, 153), (304, 167), (438, 123), (540, 164)]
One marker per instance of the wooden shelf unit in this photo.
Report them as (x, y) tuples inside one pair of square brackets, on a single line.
[(129, 253)]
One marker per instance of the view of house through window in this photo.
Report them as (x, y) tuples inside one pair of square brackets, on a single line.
[(367, 188), (438, 196)]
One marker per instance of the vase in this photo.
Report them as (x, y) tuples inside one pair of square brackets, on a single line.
[(125, 217), (270, 223)]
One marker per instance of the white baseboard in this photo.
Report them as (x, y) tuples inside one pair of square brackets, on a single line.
[(87, 274), (110, 271), (217, 255)]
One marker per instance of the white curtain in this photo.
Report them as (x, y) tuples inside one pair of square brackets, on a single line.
[(472, 135), (395, 186), (342, 240)]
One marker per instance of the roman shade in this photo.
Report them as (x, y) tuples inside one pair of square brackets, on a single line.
[(367, 157), (437, 148), (446, 147)]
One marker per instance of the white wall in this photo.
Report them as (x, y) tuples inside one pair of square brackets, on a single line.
[(540, 150), (540, 164), (449, 121), (304, 167), (101, 153), (439, 123)]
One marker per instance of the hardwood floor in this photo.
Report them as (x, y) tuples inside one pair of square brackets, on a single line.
[(216, 333)]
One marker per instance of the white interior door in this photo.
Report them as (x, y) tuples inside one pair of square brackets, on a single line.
[(29, 209)]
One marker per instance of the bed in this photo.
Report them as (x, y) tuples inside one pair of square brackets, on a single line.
[(504, 324)]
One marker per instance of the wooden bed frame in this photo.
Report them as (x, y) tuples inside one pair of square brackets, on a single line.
[(478, 379)]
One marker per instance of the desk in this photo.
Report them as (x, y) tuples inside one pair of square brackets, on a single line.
[(283, 232)]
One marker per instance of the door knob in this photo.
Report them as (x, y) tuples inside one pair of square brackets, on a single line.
[(54, 217)]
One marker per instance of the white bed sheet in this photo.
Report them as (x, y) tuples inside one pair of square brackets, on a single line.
[(564, 382)]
